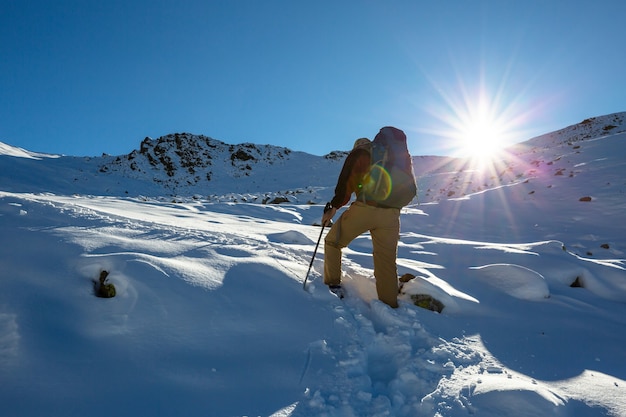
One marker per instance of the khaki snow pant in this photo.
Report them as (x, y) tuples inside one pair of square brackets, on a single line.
[(384, 227)]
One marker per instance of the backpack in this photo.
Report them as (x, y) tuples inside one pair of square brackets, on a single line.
[(390, 181)]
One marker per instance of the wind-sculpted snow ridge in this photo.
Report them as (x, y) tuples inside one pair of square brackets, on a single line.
[(9, 150)]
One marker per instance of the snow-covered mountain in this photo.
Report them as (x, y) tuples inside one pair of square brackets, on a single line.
[(526, 253), (191, 164), (184, 164), (176, 165)]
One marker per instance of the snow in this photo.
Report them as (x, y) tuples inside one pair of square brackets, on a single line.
[(22, 153), (211, 319)]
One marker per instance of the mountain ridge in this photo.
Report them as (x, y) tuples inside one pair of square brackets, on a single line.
[(185, 164)]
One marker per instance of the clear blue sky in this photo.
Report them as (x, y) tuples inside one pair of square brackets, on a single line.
[(84, 77)]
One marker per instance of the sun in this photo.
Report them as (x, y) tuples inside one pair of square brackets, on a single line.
[(475, 121), (479, 131), (480, 137)]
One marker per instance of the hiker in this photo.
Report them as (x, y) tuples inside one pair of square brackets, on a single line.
[(364, 214)]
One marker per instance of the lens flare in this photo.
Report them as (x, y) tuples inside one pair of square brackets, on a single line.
[(377, 183)]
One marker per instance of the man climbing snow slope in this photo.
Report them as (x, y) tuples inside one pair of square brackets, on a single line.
[(372, 171)]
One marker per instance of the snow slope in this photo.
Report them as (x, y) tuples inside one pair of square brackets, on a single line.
[(210, 317)]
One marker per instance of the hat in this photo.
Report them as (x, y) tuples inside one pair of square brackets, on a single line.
[(360, 143)]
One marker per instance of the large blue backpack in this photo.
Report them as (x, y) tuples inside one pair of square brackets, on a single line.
[(390, 182)]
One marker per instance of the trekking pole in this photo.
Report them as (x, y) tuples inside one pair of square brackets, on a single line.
[(313, 258), (326, 208)]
